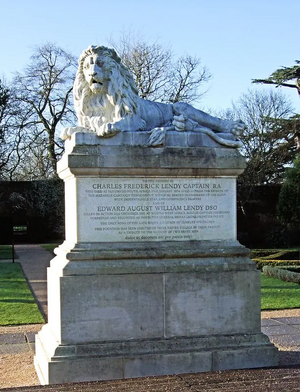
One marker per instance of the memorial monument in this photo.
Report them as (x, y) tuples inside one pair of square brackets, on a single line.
[(150, 279)]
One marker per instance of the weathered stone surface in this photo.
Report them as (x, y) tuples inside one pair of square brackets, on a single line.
[(126, 304), (89, 155), (190, 299), (120, 307), (149, 250), (136, 358), (147, 209), (251, 358), (165, 292)]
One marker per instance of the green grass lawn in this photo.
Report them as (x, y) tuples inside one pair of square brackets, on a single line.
[(5, 252), (17, 306), (276, 294), (49, 247)]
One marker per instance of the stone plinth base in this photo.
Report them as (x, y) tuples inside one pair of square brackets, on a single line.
[(130, 359), (112, 319), (150, 279)]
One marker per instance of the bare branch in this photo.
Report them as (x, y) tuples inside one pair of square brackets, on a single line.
[(42, 101), (158, 77), (269, 141)]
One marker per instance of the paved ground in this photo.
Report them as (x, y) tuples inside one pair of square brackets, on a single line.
[(283, 328), (35, 260)]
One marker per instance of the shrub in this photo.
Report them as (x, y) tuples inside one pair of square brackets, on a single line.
[(282, 274), (276, 236), (285, 254), (47, 198), (291, 268), (275, 257), (258, 253), (260, 263)]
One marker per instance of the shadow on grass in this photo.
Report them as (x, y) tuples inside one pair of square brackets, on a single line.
[(24, 301), (280, 287)]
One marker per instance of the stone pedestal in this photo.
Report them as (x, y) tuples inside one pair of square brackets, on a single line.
[(150, 279)]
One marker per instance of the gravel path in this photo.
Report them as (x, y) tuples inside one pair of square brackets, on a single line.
[(280, 313), (17, 370)]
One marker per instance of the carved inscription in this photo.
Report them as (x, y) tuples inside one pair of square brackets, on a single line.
[(157, 209)]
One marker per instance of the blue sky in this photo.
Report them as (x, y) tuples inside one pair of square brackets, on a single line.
[(237, 40)]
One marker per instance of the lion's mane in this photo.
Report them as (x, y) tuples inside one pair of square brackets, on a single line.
[(122, 93)]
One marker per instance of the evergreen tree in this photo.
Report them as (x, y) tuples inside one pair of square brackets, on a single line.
[(289, 199), (285, 76)]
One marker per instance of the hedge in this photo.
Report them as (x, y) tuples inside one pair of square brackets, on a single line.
[(276, 254), (275, 257), (282, 274), (260, 263)]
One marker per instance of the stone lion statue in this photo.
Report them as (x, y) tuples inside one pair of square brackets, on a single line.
[(106, 102)]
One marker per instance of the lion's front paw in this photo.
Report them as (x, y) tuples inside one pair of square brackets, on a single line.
[(157, 137), (107, 130), (236, 127), (182, 123), (68, 132), (64, 135)]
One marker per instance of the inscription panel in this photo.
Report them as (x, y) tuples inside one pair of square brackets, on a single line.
[(156, 209)]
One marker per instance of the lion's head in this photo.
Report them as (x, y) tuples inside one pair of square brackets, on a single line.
[(104, 90)]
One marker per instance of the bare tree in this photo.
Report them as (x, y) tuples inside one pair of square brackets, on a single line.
[(4, 103), (187, 76), (4, 98), (157, 74), (43, 92), (8, 136), (40, 99), (268, 144)]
